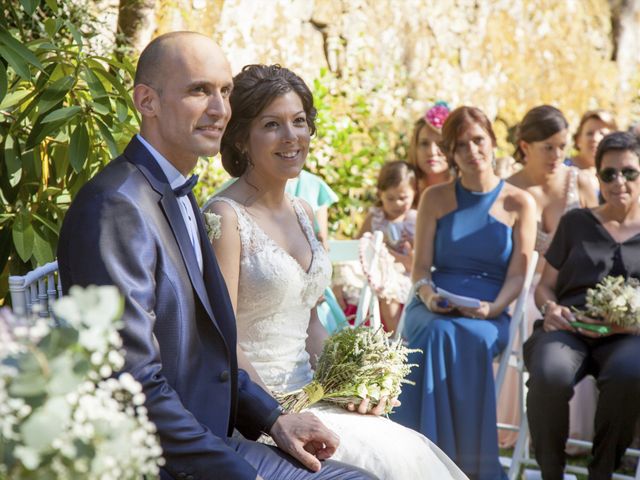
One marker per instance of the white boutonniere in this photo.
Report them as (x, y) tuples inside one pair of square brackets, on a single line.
[(213, 222)]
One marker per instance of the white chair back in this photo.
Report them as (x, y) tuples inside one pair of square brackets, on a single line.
[(35, 291), (350, 250), (518, 320)]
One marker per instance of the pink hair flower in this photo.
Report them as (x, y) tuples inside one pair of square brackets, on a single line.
[(437, 114)]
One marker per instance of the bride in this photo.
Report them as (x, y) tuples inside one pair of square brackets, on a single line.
[(276, 270)]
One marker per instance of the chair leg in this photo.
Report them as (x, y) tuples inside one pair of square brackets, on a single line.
[(519, 450)]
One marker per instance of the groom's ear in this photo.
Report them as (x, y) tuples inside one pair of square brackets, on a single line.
[(146, 100)]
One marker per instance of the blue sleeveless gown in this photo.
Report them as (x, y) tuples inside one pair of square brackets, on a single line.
[(453, 401)]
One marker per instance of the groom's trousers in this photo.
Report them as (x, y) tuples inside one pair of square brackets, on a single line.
[(556, 361), (273, 464)]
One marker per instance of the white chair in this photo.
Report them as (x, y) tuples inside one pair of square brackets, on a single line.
[(33, 292), (350, 250), (517, 324)]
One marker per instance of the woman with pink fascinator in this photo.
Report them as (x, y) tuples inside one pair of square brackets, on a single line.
[(424, 150)]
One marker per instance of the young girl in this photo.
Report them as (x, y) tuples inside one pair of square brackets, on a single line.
[(394, 216)]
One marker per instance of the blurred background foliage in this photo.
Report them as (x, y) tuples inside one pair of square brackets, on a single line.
[(374, 66), (64, 112)]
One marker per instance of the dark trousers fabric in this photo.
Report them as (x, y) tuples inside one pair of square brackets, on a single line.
[(273, 464), (556, 361)]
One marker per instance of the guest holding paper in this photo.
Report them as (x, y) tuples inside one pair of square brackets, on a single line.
[(475, 235), (589, 245)]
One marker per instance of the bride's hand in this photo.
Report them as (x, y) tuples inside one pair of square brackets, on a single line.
[(363, 407)]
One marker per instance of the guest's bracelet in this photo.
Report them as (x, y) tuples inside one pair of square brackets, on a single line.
[(420, 283)]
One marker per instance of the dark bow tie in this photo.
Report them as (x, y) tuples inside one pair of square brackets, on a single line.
[(186, 187)]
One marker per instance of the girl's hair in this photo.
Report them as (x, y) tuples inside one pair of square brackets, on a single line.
[(538, 124), (393, 174), (604, 116), (457, 121), (254, 88), (413, 146)]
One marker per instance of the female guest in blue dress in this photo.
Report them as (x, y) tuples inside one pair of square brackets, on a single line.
[(474, 237)]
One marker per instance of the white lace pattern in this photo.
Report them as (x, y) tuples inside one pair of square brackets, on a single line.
[(275, 296)]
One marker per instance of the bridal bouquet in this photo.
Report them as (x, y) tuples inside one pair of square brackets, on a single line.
[(62, 414), (355, 364), (615, 300)]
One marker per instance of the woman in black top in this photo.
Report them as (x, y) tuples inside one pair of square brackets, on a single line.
[(589, 244)]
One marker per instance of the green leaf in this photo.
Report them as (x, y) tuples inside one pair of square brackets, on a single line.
[(23, 235), (40, 131), (13, 98), (64, 113), (42, 250), (16, 62), (51, 27), (11, 156), (30, 5), (122, 110), (3, 82), (47, 223), (79, 147), (19, 48), (101, 108), (77, 37), (93, 82), (53, 5), (60, 155), (45, 424), (54, 93), (28, 384), (106, 134)]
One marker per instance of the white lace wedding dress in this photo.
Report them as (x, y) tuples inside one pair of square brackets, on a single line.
[(275, 297)]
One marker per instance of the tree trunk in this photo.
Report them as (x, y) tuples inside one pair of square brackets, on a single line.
[(626, 37), (136, 23)]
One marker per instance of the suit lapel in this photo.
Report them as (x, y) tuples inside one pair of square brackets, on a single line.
[(214, 281), (137, 154)]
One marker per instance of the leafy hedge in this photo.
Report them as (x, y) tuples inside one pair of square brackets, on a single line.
[(64, 112)]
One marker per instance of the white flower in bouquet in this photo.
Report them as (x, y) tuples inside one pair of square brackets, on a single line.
[(61, 416), (615, 300), (213, 222), (355, 364)]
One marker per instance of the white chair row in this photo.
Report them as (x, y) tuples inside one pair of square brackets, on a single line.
[(32, 293)]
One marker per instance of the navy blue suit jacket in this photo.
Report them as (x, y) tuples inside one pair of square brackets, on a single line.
[(125, 228)]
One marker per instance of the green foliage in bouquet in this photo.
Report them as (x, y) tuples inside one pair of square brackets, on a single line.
[(355, 364), (62, 414), (65, 110), (616, 300)]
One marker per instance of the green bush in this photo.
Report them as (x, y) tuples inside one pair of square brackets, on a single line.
[(64, 112), (351, 145)]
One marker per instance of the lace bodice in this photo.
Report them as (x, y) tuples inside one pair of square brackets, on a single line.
[(275, 298)]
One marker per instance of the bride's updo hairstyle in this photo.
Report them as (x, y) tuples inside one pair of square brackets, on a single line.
[(254, 88), (456, 123)]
